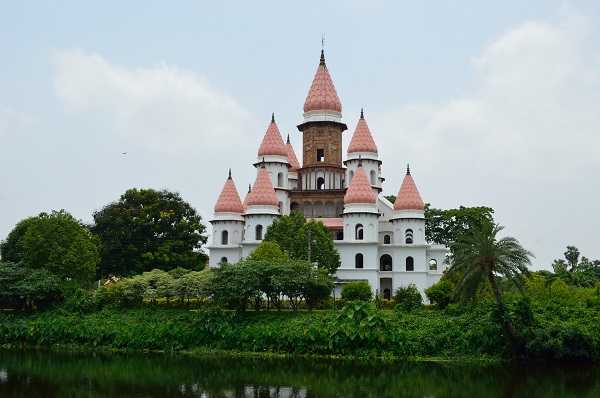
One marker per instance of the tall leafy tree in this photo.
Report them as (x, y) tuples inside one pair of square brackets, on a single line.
[(308, 241), (482, 256), (572, 256), (147, 229), (56, 242), (447, 226)]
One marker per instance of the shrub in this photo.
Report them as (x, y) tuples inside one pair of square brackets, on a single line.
[(408, 298), (440, 293), (358, 290)]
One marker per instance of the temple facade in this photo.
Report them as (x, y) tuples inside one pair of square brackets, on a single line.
[(378, 241)]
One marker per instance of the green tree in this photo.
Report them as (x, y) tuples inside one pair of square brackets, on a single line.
[(56, 242), (408, 298), (26, 288), (572, 256), (440, 294), (309, 241), (482, 256), (300, 281), (269, 251), (234, 285), (357, 290), (148, 229), (448, 226)]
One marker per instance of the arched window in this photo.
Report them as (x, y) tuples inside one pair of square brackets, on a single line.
[(280, 180), (410, 264), (408, 236), (294, 206), (224, 238), (351, 175), (359, 232), (385, 263), (259, 231), (281, 208), (373, 177), (320, 183), (223, 259), (387, 294), (358, 260), (432, 265), (386, 239)]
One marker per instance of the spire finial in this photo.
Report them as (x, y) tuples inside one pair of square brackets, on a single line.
[(273, 117), (408, 169), (288, 139), (262, 164), (229, 178), (362, 115), (249, 187), (360, 160), (322, 61)]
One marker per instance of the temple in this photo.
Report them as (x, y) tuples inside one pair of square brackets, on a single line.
[(378, 241)]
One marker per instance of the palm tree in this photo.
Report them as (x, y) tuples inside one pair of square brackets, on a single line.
[(482, 256)]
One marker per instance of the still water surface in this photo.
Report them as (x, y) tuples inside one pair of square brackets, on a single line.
[(35, 374)]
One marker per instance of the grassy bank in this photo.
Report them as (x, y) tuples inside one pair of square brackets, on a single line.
[(552, 330)]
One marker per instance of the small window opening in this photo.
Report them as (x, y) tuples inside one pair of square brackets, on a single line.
[(409, 236), (359, 232), (320, 155), (410, 264), (432, 265), (385, 263), (320, 183), (224, 238), (223, 259), (386, 239), (259, 232), (358, 260)]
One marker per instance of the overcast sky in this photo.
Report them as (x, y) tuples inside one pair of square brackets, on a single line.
[(492, 103)]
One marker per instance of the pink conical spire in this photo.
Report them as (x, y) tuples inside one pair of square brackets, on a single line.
[(262, 193), (272, 143), (360, 190), (292, 156), (229, 200), (408, 197), (322, 94), (362, 140), (245, 204)]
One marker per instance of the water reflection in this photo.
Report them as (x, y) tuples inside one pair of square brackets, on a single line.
[(65, 374)]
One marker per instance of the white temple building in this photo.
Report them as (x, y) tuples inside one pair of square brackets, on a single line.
[(378, 241)]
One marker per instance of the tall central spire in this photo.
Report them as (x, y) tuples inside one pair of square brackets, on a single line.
[(322, 95)]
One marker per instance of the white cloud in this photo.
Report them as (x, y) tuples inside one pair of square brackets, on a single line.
[(163, 108), (524, 142), (11, 119)]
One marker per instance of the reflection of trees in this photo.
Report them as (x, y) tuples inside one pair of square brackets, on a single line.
[(100, 374)]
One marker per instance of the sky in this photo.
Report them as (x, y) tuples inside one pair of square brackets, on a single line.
[(492, 103)]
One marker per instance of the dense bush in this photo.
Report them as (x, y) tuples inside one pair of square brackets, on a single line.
[(358, 290), (408, 298), (440, 293)]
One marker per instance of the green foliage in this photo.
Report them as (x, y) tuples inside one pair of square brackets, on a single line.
[(448, 226), (357, 290), (56, 242), (292, 232), (440, 294), (269, 251), (408, 298), (148, 229), (536, 288), (25, 288), (572, 256), (234, 285), (559, 290)]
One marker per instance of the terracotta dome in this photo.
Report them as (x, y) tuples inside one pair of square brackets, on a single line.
[(262, 193), (322, 94), (229, 200), (362, 140), (272, 143), (360, 190), (408, 197)]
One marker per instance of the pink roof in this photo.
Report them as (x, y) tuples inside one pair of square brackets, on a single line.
[(229, 200), (408, 197), (332, 222), (292, 156), (362, 140), (245, 204), (262, 193), (272, 143), (360, 190), (322, 94)]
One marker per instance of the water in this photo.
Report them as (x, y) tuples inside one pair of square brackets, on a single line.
[(82, 374)]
